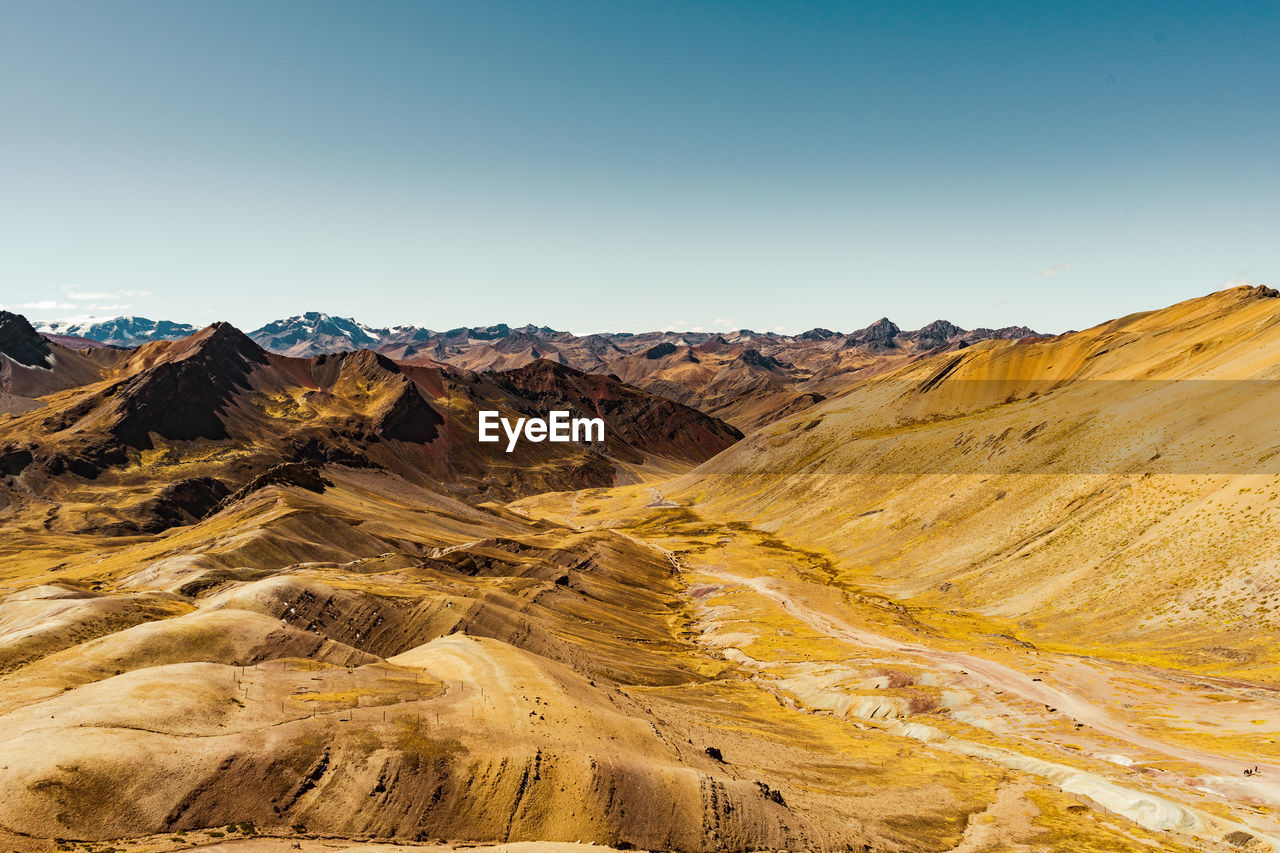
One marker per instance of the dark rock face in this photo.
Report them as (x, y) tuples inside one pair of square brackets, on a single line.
[(486, 333), (663, 349), (87, 461), (880, 333), (409, 417), (939, 333), (197, 496), (1010, 333), (316, 453), (798, 404), (940, 330), (285, 474), (754, 358), (22, 343), (183, 502), (816, 334), (181, 399), (14, 460), (635, 419)]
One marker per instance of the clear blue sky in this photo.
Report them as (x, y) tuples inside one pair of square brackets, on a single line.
[(600, 165)]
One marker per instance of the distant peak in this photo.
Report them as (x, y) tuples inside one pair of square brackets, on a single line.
[(755, 358), (940, 330), (224, 338), (882, 331)]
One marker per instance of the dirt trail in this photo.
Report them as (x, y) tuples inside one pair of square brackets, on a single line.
[(1006, 678), (1144, 808)]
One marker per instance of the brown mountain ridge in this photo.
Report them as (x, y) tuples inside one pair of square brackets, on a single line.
[(216, 405)]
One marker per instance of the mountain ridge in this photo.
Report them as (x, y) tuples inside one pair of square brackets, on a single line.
[(723, 374)]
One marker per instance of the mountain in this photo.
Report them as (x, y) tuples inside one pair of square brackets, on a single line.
[(21, 344), (314, 333), (120, 331), (640, 423)]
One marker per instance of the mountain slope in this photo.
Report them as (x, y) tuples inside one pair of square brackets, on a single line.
[(1119, 483)]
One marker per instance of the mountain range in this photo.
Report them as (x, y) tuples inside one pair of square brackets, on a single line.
[(878, 591), (315, 333), (745, 377)]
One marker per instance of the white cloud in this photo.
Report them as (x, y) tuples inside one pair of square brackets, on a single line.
[(91, 295), (724, 321), (117, 307), (80, 319), (48, 305), (680, 323), (1055, 270), (135, 292)]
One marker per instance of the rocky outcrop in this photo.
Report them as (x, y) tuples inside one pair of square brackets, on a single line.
[(879, 334), (1007, 333), (408, 417), (754, 358), (660, 350), (14, 460), (22, 343), (298, 474), (181, 503)]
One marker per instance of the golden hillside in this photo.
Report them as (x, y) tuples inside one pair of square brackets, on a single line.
[(1114, 487)]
